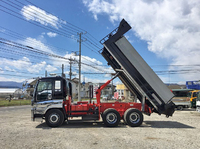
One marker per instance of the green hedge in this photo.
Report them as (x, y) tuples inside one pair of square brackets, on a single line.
[(5, 103)]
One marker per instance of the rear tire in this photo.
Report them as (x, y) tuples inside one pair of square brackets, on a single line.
[(111, 117), (54, 118), (133, 117)]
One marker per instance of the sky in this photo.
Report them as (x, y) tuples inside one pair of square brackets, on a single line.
[(41, 35)]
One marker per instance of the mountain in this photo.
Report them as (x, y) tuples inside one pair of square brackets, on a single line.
[(10, 84)]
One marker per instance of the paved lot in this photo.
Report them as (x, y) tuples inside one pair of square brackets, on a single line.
[(180, 131)]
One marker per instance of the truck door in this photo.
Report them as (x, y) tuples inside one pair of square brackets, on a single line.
[(44, 90)]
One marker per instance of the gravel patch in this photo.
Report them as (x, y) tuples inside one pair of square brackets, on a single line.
[(18, 131)]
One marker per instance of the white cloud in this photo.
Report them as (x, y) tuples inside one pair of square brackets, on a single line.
[(90, 64), (50, 34), (170, 28), (1, 70), (2, 30), (27, 66), (8, 68), (18, 64), (23, 64), (96, 80), (36, 14), (37, 67), (50, 68), (37, 44), (15, 79)]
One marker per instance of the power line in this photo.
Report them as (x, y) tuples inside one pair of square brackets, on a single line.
[(92, 42), (20, 36), (89, 43), (78, 29), (20, 72), (28, 48), (46, 27), (33, 14), (14, 75)]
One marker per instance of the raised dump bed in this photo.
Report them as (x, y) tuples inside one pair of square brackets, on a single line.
[(135, 73)]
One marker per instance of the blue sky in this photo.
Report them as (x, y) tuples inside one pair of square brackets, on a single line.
[(166, 34)]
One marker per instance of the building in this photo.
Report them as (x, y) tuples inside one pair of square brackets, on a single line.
[(31, 86), (107, 91), (14, 93), (122, 93)]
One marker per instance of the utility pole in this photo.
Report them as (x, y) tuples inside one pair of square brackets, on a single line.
[(45, 73), (70, 68), (79, 84), (79, 64), (63, 75)]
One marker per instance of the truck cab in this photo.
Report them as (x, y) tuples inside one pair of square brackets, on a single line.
[(49, 93), (193, 97)]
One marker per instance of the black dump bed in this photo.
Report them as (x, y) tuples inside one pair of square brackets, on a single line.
[(135, 73)]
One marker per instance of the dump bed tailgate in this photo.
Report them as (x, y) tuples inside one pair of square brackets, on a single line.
[(135, 73)]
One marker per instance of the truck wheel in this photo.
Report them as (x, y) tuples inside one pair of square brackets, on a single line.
[(54, 118), (111, 117), (133, 117), (180, 108)]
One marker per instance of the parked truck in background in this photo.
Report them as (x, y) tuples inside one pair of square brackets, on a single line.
[(198, 102), (52, 99), (181, 98), (193, 97)]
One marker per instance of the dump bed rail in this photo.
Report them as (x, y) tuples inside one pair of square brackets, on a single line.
[(135, 73)]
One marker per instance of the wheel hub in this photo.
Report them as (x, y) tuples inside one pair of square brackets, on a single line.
[(111, 118), (54, 118), (134, 117)]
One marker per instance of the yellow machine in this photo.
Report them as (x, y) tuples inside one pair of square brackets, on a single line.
[(193, 96)]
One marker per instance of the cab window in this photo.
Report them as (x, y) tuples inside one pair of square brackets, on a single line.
[(44, 91)]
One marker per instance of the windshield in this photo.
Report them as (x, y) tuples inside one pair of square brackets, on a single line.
[(195, 94), (44, 91)]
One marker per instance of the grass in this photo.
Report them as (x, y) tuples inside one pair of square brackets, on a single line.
[(5, 103)]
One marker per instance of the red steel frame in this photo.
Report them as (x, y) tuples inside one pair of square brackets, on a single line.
[(84, 107)]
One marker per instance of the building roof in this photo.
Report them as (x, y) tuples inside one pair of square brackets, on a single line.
[(8, 90)]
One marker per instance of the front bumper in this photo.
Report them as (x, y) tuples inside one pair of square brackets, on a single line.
[(39, 109), (36, 114)]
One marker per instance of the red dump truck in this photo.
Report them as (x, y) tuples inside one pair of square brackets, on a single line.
[(52, 98)]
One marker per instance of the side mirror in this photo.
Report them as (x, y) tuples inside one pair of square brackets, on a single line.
[(31, 94)]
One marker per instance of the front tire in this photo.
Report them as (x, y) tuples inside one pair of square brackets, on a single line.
[(133, 117), (54, 118), (111, 117)]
